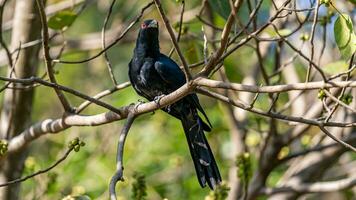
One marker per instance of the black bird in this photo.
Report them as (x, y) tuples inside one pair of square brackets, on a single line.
[(152, 75)]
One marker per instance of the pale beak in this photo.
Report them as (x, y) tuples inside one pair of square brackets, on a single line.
[(153, 24)]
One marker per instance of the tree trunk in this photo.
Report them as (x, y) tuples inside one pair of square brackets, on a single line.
[(17, 106)]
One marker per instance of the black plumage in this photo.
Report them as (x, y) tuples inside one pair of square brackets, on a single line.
[(152, 75)]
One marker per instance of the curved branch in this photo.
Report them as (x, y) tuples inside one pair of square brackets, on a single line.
[(40, 171), (118, 176)]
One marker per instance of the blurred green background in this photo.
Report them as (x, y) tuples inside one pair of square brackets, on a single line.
[(156, 146)]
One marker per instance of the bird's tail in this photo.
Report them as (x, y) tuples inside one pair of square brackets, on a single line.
[(205, 166)]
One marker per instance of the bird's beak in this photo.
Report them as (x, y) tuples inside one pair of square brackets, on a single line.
[(153, 24)]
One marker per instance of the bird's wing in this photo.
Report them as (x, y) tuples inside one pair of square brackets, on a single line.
[(134, 82), (170, 72)]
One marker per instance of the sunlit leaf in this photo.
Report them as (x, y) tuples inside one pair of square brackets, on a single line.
[(344, 36), (222, 7), (61, 19), (335, 67), (283, 32)]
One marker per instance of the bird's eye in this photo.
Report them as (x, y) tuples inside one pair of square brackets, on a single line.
[(143, 25)]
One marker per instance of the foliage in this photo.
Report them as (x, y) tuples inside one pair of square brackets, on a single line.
[(3, 147), (244, 167), (156, 144), (222, 7), (61, 20), (344, 35), (220, 193), (336, 67), (139, 187)]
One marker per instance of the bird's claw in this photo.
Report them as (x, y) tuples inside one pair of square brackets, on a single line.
[(140, 101), (157, 99)]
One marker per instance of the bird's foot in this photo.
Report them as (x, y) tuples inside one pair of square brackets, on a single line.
[(157, 99), (140, 101)]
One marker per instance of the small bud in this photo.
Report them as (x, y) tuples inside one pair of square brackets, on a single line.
[(3, 147), (326, 2), (76, 148), (304, 37), (321, 94), (70, 145), (347, 98), (81, 143)]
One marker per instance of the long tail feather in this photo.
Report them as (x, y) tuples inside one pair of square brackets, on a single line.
[(205, 166)]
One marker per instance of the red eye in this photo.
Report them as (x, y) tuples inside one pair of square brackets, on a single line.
[(143, 25)]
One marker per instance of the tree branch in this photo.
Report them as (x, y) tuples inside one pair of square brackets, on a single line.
[(118, 176), (48, 60)]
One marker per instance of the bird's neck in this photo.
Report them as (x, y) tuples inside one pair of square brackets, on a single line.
[(147, 48)]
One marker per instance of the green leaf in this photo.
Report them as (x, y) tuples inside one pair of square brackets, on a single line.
[(61, 19), (272, 32), (353, 1), (335, 67), (344, 36), (222, 7)]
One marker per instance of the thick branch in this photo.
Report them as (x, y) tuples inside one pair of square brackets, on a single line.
[(275, 88), (317, 187)]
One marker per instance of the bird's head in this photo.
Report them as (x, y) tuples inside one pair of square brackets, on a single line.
[(148, 35), (149, 25)]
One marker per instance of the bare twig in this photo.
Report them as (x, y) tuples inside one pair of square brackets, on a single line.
[(138, 17), (315, 20), (40, 171), (101, 95), (166, 22), (346, 145), (108, 64), (224, 41), (180, 26), (48, 60), (30, 81)]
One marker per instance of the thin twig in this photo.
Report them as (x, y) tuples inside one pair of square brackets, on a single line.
[(101, 95), (40, 171), (166, 22), (138, 17), (31, 80), (180, 26), (346, 145), (48, 60), (108, 64), (312, 35)]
